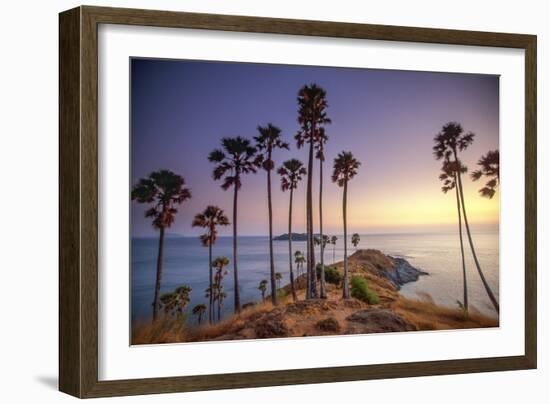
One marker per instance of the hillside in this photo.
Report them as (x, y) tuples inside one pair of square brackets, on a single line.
[(331, 316)]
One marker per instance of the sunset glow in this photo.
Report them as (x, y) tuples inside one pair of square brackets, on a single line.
[(181, 110)]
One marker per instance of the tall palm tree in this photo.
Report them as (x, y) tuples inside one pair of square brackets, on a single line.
[(198, 311), (312, 105), (291, 173), (490, 168), (345, 168), (164, 190), (262, 287), (448, 143), (220, 264), (235, 158), (355, 239), (449, 179), (299, 260), (269, 140), (210, 219), (322, 138), (333, 241)]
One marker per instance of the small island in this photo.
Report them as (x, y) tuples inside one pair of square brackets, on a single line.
[(295, 237)]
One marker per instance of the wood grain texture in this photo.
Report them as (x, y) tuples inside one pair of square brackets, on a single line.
[(69, 203), (78, 276)]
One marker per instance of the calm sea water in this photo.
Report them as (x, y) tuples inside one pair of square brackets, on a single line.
[(186, 262)]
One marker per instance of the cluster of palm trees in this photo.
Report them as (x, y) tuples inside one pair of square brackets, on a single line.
[(449, 143), (237, 157)]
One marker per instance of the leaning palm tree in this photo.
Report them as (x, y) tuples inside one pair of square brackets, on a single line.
[(269, 140), (490, 168), (448, 143), (262, 287), (320, 155), (345, 168), (219, 264), (164, 190), (355, 239), (299, 260), (198, 311), (333, 241), (312, 105), (210, 219), (235, 158), (291, 173), (449, 179)]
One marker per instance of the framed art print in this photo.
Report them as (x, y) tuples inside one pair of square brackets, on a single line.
[(311, 201)]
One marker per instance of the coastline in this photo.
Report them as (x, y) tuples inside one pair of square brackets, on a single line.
[(332, 316)]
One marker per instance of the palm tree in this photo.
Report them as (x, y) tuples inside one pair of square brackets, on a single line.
[(235, 158), (322, 242), (345, 168), (355, 239), (210, 219), (291, 173), (322, 138), (278, 277), (175, 302), (449, 179), (221, 297), (490, 167), (448, 143), (262, 287), (299, 260), (220, 264), (333, 241), (312, 105), (164, 190), (198, 311), (269, 140)]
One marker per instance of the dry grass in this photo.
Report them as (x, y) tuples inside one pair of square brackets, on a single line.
[(170, 330), (428, 316)]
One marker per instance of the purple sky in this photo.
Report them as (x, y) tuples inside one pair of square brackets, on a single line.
[(182, 109)]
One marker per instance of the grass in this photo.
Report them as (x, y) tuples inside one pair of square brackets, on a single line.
[(428, 316), (169, 330), (360, 290)]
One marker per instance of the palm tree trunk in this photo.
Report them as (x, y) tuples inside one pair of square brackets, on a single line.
[(322, 289), (271, 260), (344, 211), (211, 297), (292, 288), (465, 301), (310, 281), (156, 301), (480, 272), (334, 253), (235, 272), (311, 245)]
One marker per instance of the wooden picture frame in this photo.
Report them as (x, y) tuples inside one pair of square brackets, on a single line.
[(78, 195)]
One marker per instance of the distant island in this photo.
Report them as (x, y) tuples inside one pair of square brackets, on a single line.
[(295, 237)]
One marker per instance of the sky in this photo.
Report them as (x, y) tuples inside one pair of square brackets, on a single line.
[(180, 111)]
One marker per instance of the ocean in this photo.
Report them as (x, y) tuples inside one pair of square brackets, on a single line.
[(186, 262)]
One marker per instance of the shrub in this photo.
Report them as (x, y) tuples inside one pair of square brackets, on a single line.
[(360, 290), (331, 274)]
